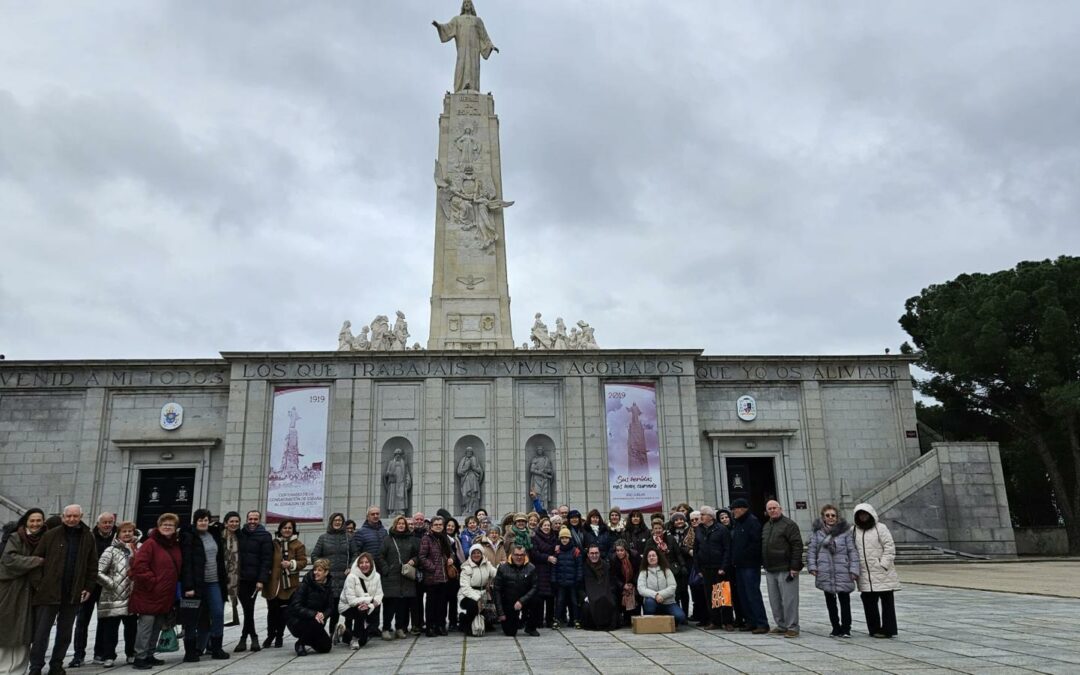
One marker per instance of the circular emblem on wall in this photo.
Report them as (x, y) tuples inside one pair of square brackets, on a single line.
[(746, 407), (172, 416)]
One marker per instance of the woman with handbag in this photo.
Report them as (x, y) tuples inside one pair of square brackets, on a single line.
[(290, 556), (397, 569), (155, 568), (435, 562), (474, 593), (203, 581)]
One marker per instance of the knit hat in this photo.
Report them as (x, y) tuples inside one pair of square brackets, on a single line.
[(740, 503), (564, 532), (678, 515), (574, 513)]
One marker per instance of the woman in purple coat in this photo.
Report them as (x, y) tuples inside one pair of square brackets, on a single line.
[(834, 562)]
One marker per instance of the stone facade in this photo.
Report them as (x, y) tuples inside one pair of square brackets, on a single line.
[(834, 429)]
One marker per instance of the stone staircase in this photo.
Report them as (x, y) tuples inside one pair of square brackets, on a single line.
[(924, 554)]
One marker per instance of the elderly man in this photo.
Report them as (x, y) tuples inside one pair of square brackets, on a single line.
[(67, 579), (103, 537), (781, 551), (712, 553), (419, 529), (746, 559)]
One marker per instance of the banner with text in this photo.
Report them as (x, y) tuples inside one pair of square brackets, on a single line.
[(298, 454), (633, 443)]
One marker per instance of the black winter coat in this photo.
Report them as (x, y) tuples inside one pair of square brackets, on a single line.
[(712, 547), (599, 608), (514, 584), (310, 599), (746, 542), (637, 539), (193, 565), (255, 552), (604, 539)]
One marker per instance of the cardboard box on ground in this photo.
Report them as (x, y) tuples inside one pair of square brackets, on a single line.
[(653, 624)]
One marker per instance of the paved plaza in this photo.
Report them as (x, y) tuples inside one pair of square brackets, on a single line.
[(942, 630)]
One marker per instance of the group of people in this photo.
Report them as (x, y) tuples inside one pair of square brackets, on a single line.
[(423, 576)]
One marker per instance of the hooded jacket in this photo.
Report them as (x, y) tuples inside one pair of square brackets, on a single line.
[(475, 579), (832, 557), (368, 538), (877, 554), (116, 584), (360, 587), (155, 567), (334, 546)]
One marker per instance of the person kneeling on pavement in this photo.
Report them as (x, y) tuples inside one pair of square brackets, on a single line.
[(656, 585), (515, 590), (477, 575), (361, 599), (310, 608)]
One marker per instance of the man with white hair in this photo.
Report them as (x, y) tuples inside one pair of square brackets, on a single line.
[(67, 579), (781, 553), (103, 538), (712, 553)]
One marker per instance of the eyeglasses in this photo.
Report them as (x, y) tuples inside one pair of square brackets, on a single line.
[(830, 515), (594, 554)]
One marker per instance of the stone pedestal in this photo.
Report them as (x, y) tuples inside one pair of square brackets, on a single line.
[(470, 299)]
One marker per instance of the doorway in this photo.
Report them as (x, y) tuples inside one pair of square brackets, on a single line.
[(164, 491), (753, 479)]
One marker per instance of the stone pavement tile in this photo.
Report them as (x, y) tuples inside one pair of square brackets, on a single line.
[(569, 670), (1026, 660), (408, 667)]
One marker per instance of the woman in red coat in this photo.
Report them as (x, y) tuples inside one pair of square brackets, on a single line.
[(155, 567)]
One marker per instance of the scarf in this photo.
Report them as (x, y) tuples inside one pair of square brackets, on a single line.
[(629, 602), (521, 537), (661, 544), (31, 540), (597, 568)]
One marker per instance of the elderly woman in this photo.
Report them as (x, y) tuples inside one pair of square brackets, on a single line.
[(494, 550), (615, 521), (16, 563), (878, 580), (435, 558), (399, 548), (156, 571), (834, 563), (310, 608), (113, 567), (474, 593), (290, 556)]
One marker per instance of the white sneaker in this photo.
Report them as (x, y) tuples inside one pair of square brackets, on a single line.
[(108, 663), (97, 661), (354, 645)]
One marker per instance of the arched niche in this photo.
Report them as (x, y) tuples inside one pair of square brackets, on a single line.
[(535, 466), (392, 499), (460, 466)]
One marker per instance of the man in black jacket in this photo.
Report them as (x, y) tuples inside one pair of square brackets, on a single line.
[(746, 558), (515, 591), (368, 539), (103, 537), (254, 553), (712, 548)]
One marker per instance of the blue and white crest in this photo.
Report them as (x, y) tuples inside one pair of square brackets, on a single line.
[(172, 416)]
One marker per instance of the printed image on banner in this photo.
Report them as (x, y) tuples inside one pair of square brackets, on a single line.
[(298, 454), (633, 443)]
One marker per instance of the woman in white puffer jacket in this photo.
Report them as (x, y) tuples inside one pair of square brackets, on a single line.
[(877, 571), (474, 592), (360, 597)]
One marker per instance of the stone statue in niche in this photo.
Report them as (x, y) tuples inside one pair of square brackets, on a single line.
[(397, 479), (470, 476), (467, 201), (539, 335), (472, 42), (541, 474)]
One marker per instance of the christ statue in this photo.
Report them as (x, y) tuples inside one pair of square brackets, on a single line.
[(472, 41)]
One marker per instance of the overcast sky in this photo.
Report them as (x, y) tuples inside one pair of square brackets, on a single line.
[(179, 179)]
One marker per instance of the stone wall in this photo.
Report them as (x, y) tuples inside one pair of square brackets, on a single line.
[(40, 440)]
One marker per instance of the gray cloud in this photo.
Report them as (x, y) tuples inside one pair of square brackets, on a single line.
[(182, 178)]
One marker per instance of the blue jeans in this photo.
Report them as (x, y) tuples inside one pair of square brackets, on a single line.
[(215, 605), (748, 586), (566, 598), (651, 606)]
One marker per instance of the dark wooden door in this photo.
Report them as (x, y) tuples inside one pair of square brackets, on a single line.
[(164, 491)]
